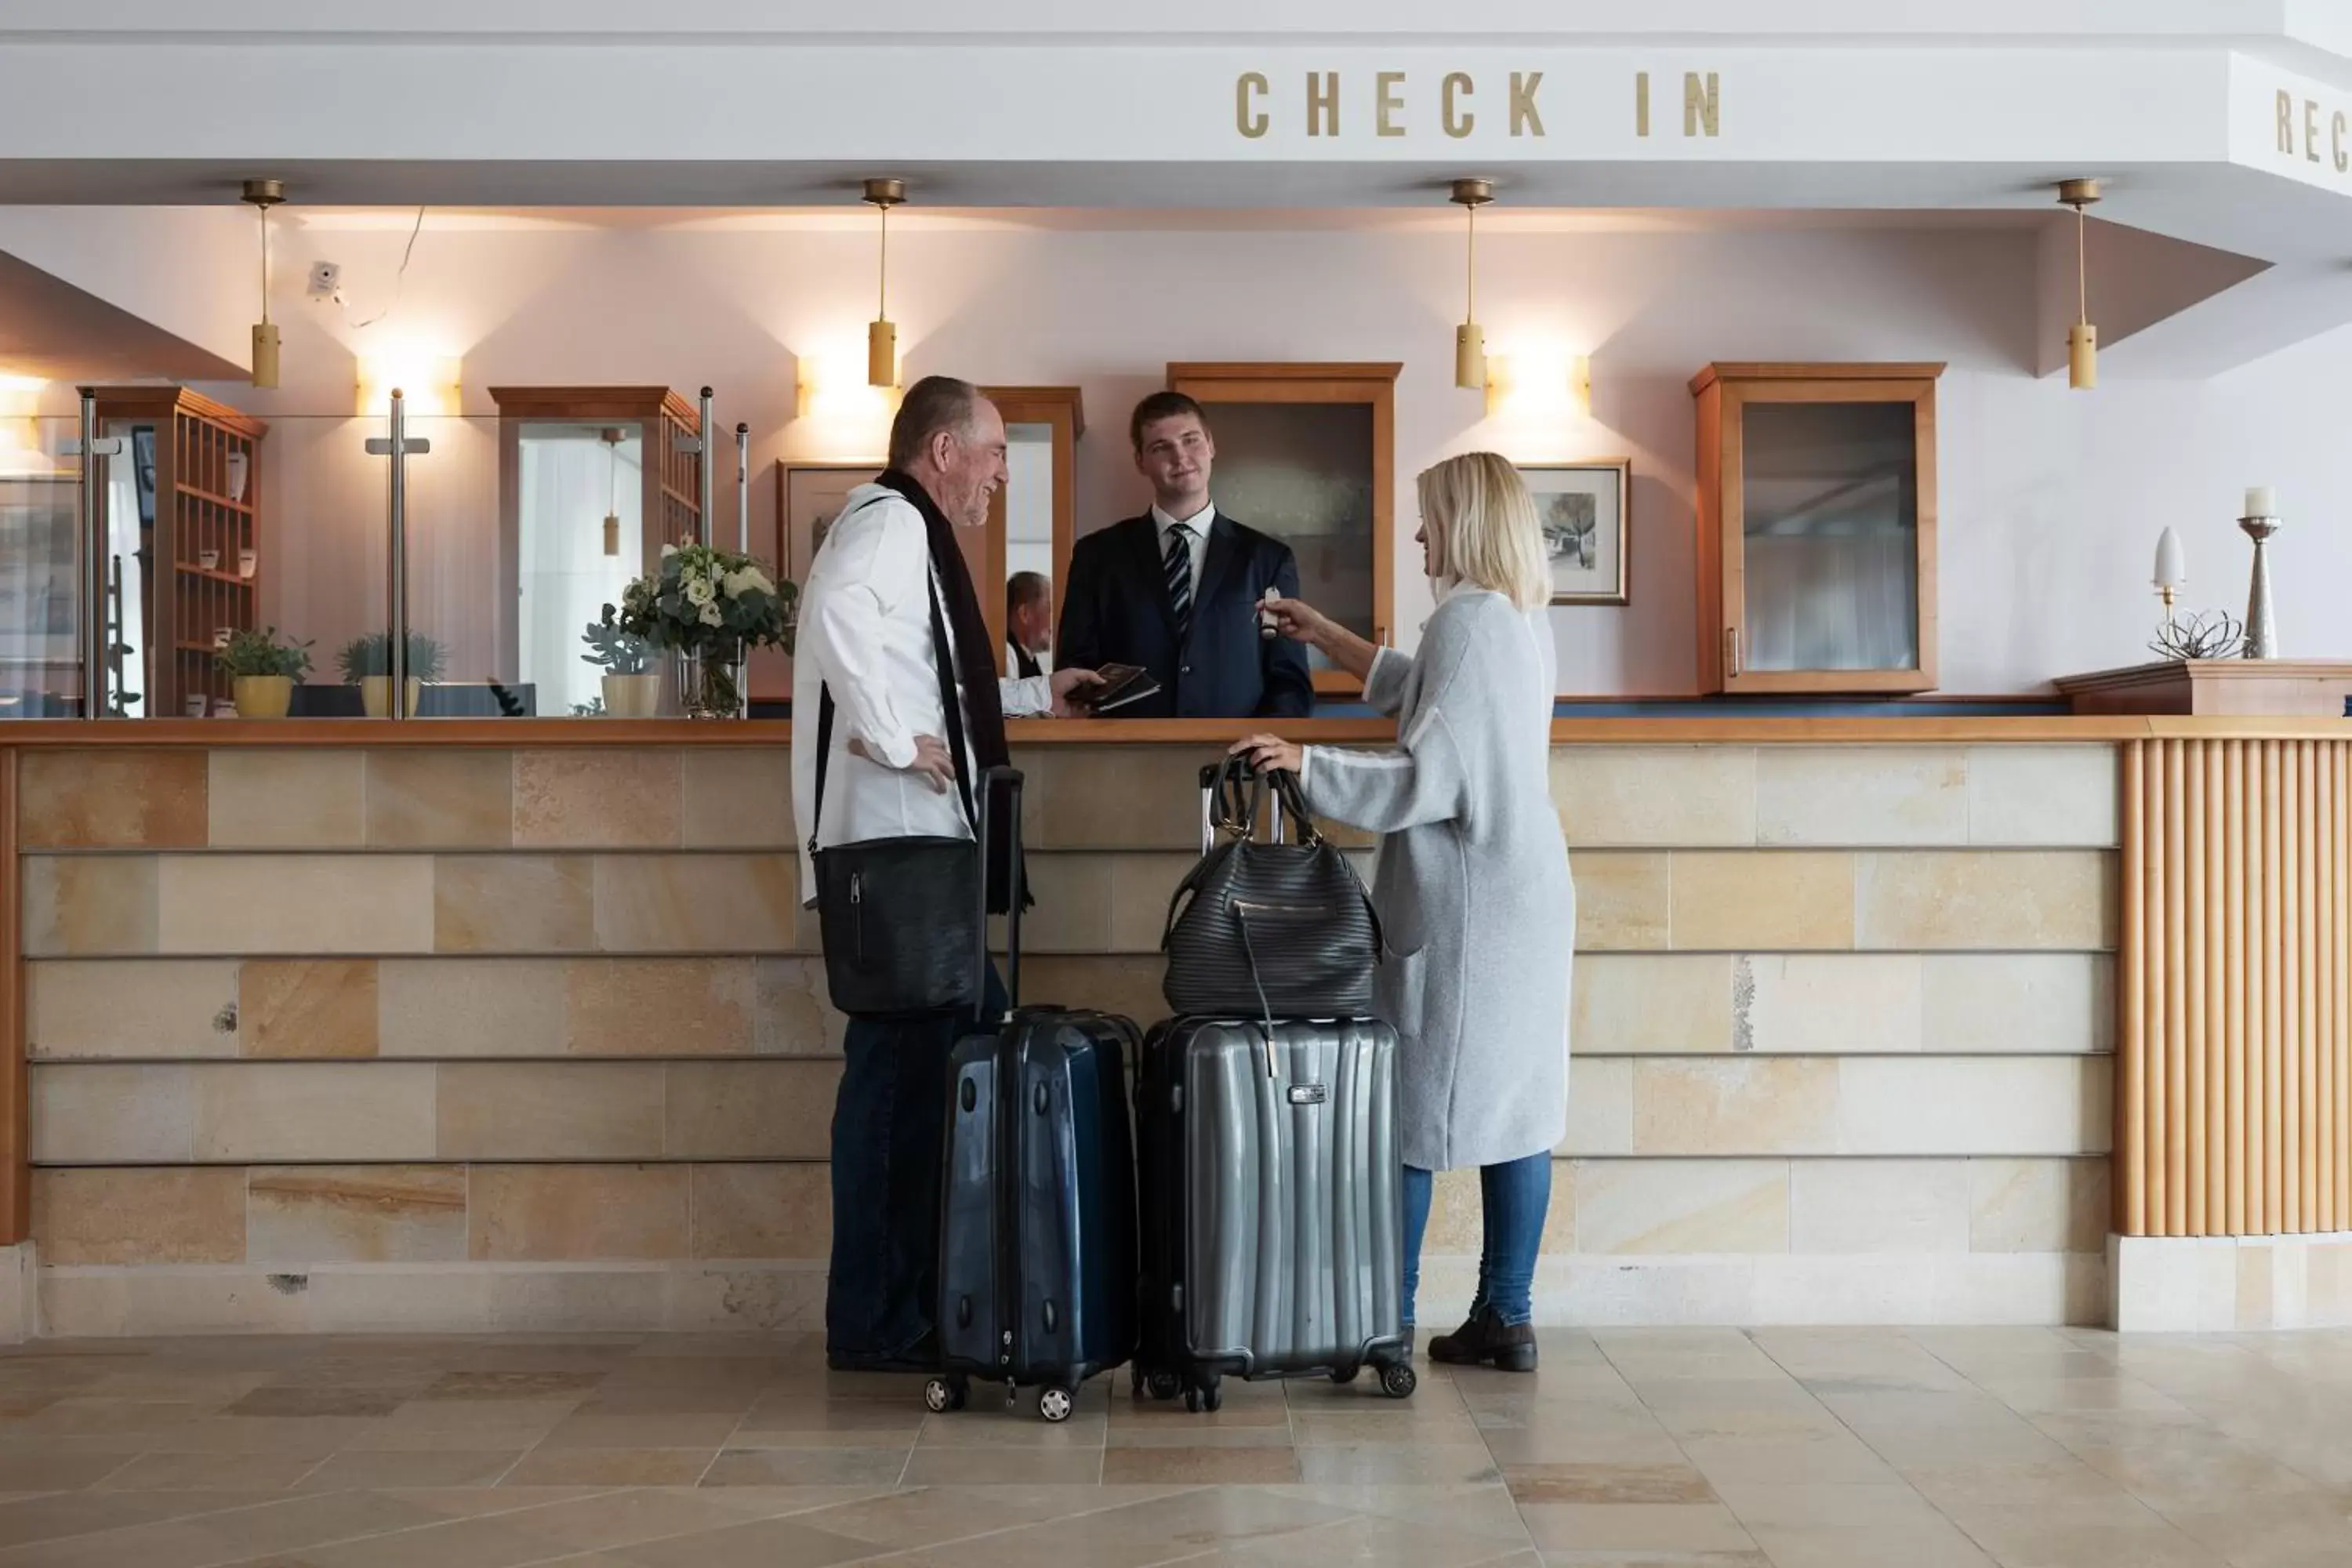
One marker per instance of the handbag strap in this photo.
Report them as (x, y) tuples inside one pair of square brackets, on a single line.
[(951, 705)]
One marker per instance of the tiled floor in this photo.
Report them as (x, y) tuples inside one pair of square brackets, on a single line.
[(1832, 1448)]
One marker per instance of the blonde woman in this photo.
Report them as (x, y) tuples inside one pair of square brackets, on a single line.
[(1473, 885)]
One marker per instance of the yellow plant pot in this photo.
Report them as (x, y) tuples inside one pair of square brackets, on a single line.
[(263, 695), (632, 696), (375, 695)]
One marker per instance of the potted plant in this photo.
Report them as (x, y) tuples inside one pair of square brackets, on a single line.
[(632, 689), (711, 606), (367, 664), (262, 671)]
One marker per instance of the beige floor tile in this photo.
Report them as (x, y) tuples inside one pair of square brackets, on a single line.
[(1398, 1464), (434, 1467), (2108, 1534), (829, 1467), (981, 1466), (1594, 1483), (210, 1472), (1203, 1466), (1911, 1546), (54, 1471), (611, 1467), (1372, 1543), (1790, 1458), (927, 1516), (1782, 1505), (1655, 1527), (585, 1429)]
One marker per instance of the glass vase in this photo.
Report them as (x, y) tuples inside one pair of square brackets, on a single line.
[(714, 684)]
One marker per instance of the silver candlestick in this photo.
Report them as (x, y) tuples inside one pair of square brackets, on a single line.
[(2261, 623)]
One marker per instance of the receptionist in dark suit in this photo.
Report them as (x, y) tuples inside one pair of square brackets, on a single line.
[(1176, 591)]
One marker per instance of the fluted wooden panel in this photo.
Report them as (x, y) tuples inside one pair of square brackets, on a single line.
[(2233, 1111)]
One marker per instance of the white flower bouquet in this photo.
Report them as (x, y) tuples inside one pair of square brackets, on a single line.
[(710, 605)]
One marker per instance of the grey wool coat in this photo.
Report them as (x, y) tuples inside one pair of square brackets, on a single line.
[(1471, 886)]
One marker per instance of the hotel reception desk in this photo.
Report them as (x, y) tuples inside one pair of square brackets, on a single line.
[(474, 1025)]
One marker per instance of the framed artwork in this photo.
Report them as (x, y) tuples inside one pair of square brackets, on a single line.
[(809, 496), (1586, 511)]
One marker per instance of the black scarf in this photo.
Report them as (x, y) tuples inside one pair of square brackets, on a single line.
[(975, 671)]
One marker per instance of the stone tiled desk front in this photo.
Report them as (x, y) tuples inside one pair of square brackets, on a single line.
[(437, 1035)]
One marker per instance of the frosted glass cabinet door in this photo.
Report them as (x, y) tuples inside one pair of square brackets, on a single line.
[(1830, 536), (1816, 528)]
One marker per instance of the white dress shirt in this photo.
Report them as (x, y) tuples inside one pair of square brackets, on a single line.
[(866, 634), (1200, 523)]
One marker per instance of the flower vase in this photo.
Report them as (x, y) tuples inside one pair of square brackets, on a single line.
[(715, 684)]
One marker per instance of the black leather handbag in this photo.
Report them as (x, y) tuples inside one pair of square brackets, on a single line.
[(901, 917), (1270, 931)]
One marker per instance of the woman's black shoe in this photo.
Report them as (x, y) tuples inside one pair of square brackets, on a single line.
[(1486, 1341)]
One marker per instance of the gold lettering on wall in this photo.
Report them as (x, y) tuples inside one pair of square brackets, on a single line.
[(2310, 130), (1457, 124), (1391, 103), (1323, 104), (1248, 119), (2343, 154), (2286, 122), (1702, 104), (1640, 103), (1523, 103)]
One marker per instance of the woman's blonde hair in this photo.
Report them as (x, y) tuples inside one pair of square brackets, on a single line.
[(1485, 522)]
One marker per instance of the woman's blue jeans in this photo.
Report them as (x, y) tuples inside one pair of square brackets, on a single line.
[(1514, 1197)]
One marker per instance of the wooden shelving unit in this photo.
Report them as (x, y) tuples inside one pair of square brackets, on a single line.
[(187, 602)]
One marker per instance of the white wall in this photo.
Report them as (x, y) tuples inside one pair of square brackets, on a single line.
[(2051, 500)]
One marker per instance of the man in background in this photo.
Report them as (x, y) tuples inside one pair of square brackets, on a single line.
[(1176, 591), (1028, 623)]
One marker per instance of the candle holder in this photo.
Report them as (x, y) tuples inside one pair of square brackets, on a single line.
[(2262, 623)]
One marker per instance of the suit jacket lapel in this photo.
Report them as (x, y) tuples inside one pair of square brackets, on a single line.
[(1221, 550)]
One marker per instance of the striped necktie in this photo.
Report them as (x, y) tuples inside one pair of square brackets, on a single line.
[(1178, 564)]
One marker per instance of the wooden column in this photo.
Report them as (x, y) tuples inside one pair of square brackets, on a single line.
[(2233, 1112), (16, 1122)]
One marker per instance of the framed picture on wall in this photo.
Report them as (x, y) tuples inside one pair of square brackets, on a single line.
[(809, 496), (1586, 511)]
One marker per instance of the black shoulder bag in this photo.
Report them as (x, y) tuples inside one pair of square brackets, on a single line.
[(1269, 931), (901, 916)]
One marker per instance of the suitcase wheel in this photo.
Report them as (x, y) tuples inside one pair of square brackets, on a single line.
[(1163, 1385), (1056, 1403), (942, 1394), (1398, 1381), (1207, 1396), (1347, 1376)]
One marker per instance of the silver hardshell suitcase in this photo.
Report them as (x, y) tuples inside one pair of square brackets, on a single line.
[(1272, 1201)]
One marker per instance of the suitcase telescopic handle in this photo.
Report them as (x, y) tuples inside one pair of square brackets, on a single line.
[(1017, 886), (1215, 777)]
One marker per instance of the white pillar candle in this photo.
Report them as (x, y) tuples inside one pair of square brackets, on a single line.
[(2261, 501), (2171, 566)]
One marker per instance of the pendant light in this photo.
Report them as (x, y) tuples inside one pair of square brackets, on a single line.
[(612, 439), (1469, 338), (2082, 338), (264, 194), (881, 336)]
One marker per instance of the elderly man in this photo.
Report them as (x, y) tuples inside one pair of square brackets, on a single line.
[(910, 743)]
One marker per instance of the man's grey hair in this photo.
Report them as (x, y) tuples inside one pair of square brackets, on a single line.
[(934, 404)]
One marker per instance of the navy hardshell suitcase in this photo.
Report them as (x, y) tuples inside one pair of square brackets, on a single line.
[(1037, 1239)]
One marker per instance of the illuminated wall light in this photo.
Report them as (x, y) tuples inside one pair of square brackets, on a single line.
[(20, 435), (833, 386), (428, 383), (1539, 382)]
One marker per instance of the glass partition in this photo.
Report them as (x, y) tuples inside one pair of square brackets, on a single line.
[(1304, 473), (40, 621), (1030, 593)]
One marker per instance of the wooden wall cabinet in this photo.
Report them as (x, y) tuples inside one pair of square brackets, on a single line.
[(1307, 453), (1817, 528), (187, 511)]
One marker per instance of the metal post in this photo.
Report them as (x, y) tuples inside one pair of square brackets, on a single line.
[(706, 469), (396, 443), (743, 489), (96, 643)]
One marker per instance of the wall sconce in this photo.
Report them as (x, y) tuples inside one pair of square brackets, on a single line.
[(881, 336), (830, 386), (1539, 384), (20, 435), (428, 383), (264, 194), (1469, 338), (2082, 338)]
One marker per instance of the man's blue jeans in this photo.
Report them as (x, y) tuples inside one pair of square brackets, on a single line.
[(889, 1128), (1514, 1197)]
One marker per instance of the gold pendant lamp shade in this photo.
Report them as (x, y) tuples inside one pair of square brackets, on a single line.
[(1469, 338), (881, 335), (264, 194), (612, 439), (2082, 338)]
